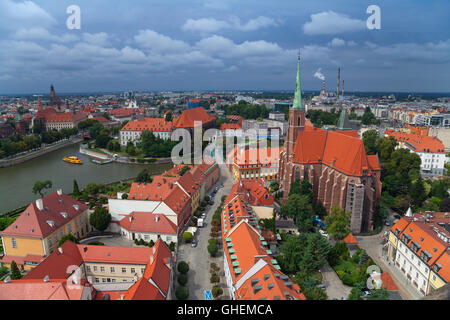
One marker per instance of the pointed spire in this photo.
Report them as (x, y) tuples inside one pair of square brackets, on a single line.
[(298, 91), (344, 121), (409, 213)]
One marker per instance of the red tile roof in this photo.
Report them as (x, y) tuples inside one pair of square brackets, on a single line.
[(122, 112), (257, 156), (148, 222), (259, 195), (350, 239), (33, 222), (345, 153), (39, 290), (230, 126), (187, 118), (150, 124), (67, 117), (416, 142)]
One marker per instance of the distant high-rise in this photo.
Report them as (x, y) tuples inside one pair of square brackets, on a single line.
[(54, 100), (338, 83)]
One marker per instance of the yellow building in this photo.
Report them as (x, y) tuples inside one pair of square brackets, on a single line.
[(37, 231), (419, 247)]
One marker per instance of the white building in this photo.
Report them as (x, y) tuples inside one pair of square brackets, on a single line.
[(133, 129)]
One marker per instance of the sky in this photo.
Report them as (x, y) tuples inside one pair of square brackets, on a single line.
[(163, 45)]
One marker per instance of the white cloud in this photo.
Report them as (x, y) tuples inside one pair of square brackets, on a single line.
[(205, 25), (330, 22), (23, 14), (156, 42), (337, 42), (40, 33), (211, 25), (100, 38)]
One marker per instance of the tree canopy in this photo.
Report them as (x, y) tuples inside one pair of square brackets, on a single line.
[(338, 222), (100, 218), (39, 186)]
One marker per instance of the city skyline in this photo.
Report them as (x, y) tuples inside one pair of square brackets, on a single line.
[(212, 45)]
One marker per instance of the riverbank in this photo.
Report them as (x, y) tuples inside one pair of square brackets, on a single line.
[(107, 155), (38, 153), (16, 182)]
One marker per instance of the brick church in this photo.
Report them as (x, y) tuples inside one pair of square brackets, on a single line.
[(334, 162)]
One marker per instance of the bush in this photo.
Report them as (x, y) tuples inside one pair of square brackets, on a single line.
[(215, 222), (213, 248), (187, 237), (182, 293), (215, 278), (151, 243), (66, 237), (217, 291), (172, 246), (182, 279), (125, 196), (183, 267)]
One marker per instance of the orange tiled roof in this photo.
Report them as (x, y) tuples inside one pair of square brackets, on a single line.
[(350, 239), (345, 153), (230, 126), (150, 124), (54, 289), (66, 117), (148, 222), (187, 118), (34, 223), (260, 156), (416, 142)]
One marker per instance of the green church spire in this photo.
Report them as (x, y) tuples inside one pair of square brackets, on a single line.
[(298, 91)]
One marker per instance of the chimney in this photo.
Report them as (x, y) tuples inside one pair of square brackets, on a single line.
[(151, 259), (338, 82), (85, 249), (60, 250), (46, 278), (122, 296), (8, 279), (40, 204), (131, 218), (59, 192), (154, 249), (157, 218)]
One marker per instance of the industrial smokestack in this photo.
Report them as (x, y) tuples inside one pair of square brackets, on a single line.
[(323, 89), (338, 82)]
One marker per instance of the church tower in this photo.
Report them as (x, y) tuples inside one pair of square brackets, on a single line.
[(296, 116)]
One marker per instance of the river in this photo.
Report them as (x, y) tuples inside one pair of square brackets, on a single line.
[(16, 182)]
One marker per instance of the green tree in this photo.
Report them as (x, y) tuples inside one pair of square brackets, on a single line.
[(187, 237), (213, 248), (15, 272), (76, 190), (182, 279), (418, 192), (379, 294), (168, 116), (66, 237), (319, 209), (39, 186), (300, 209), (182, 293), (100, 218), (292, 253), (370, 140), (338, 222), (183, 267), (314, 293)]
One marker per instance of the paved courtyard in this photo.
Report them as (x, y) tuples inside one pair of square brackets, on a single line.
[(198, 258), (116, 241), (334, 287)]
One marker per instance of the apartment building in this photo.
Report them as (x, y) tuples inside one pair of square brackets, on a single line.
[(430, 150), (86, 272), (419, 246), (132, 131), (251, 271), (37, 231)]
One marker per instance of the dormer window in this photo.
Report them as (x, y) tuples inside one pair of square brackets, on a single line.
[(64, 214)]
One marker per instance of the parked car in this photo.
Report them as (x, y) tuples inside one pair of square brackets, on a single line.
[(322, 285), (194, 243), (203, 216)]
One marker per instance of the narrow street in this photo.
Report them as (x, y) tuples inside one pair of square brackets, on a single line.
[(198, 258)]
